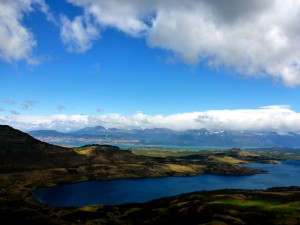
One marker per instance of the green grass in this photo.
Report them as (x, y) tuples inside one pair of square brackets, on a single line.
[(262, 205), (163, 153)]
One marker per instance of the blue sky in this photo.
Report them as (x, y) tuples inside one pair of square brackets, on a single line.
[(69, 64)]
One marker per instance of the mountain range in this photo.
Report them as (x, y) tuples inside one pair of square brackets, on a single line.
[(160, 136)]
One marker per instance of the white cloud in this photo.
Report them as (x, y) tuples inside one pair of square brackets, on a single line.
[(255, 38), (78, 34), (57, 122), (270, 118), (126, 16), (16, 41), (274, 118)]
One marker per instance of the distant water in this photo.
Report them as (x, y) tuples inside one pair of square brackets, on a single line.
[(125, 146), (177, 147), (113, 192)]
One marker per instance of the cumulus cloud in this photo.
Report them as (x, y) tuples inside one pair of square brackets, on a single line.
[(127, 16), (254, 38), (78, 34), (16, 40), (269, 118)]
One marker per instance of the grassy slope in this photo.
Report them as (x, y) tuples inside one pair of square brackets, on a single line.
[(219, 207), (275, 153)]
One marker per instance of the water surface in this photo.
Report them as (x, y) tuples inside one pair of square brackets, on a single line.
[(113, 192), (127, 146)]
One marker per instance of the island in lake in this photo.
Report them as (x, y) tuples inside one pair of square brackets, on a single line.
[(27, 164)]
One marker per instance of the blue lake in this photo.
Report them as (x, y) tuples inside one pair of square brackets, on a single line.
[(113, 192)]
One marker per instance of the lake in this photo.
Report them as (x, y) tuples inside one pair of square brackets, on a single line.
[(113, 192)]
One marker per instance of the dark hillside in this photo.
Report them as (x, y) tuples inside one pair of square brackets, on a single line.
[(19, 151)]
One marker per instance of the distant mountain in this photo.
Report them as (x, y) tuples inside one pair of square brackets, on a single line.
[(48, 133), (159, 136), (90, 131), (20, 152)]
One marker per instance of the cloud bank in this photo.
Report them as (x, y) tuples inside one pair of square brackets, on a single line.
[(270, 118)]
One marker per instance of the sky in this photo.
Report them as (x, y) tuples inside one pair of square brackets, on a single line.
[(218, 64)]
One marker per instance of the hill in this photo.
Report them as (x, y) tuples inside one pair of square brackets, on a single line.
[(19, 151)]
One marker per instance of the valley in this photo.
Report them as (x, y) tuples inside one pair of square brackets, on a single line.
[(27, 164)]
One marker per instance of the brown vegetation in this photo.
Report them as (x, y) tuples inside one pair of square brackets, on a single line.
[(26, 163)]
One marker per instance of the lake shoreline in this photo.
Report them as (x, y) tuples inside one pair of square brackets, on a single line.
[(18, 203), (126, 190)]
